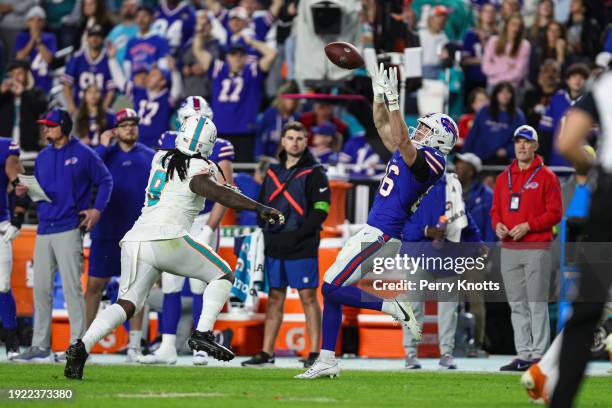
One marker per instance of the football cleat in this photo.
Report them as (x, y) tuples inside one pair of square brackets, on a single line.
[(405, 315), (205, 341), (160, 356), (321, 369), (12, 344), (76, 356), (534, 381), (200, 358)]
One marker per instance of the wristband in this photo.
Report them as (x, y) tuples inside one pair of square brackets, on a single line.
[(379, 98), (393, 106)]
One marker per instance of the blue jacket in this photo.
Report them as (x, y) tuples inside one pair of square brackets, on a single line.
[(68, 175), (478, 203)]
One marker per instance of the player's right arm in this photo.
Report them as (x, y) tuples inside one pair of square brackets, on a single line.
[(380, 111), (206, 185), (399, 130)]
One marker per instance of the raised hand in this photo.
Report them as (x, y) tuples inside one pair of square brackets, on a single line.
[(391, 88), (378, 80)]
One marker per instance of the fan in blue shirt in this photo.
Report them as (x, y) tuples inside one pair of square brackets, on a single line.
[(175, 21), (147, 47), (38, 50)]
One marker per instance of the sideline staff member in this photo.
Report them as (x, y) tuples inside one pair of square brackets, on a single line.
[(297, 187)]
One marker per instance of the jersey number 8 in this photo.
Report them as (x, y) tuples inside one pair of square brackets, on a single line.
[(386, 184), (158, 181)]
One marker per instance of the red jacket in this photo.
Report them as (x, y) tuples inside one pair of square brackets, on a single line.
[(540, 203)]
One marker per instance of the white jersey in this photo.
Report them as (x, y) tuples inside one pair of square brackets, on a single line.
[(170, 207)]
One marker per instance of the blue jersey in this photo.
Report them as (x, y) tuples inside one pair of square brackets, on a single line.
[(473, 48), (236, 97), (119, 36), (327, 156), (130, 172), (82, 71), (269, 129), (250, 188), (358, 152), (40, 69), (177, 25), (260, 23), (146, 50), (7, 148), (402, 188), (94, 131), (551, 121), (154, 111)]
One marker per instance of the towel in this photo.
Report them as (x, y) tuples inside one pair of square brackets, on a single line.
[(455, 208), (249, 274)]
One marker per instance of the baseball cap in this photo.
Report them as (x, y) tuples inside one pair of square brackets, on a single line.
[(526, 132), (96, 29), (470, 158), (125, 115), (57, 117), (36, 11), (440, 10), (236, 48), (326, 128), (239, 12)]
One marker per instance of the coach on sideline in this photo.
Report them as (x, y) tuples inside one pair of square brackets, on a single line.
[(67, 170), (526, 206), (298, 187)]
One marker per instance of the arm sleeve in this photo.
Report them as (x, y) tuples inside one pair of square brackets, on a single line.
[(420, 167), (587, 104), (101, 177), (553, 204)]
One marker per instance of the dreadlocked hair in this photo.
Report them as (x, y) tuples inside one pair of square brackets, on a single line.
[(178, 161)]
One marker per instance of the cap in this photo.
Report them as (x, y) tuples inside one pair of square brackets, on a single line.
[(36, 11), (236, 48), (96, 29), (57, 117), (526, 132), (239, 12), (470, 158), (18, 64), (326, 128), (440, 10), (125, 115)]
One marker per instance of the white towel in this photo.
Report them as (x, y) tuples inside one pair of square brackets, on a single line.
[(455, 208)]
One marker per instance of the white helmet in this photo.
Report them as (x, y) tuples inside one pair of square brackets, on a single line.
[(441, 134), (197, 134), (194, 106)]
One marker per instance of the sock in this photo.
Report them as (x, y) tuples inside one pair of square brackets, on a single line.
[(8, 310), (171, 310), (215, 295), (106, 321), (168, 342), (327, 355), (135, 337), (389, 308), (196, 308), (351, 296), (332, 320)]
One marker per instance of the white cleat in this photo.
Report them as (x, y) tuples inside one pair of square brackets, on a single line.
[(405, 315), (321, 369), (200, 358), (159, 357), (133, 354)]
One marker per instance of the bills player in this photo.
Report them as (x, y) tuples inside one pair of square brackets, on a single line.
[(417, 164), (175, 20), (205, 228), (9, 228), (179, 182)]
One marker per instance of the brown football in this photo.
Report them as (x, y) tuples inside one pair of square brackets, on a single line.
[(344, 55)]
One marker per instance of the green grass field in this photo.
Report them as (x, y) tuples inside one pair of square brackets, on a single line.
[(116, 386)]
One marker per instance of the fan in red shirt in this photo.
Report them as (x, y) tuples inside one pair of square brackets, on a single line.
[(323, 112)]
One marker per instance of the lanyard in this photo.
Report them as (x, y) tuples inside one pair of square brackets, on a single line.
[(526, 183)]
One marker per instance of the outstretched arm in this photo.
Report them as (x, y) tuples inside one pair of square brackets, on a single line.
[(380, 111), (399, 130)]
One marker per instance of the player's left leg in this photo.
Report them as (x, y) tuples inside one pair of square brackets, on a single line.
[(8, 309)]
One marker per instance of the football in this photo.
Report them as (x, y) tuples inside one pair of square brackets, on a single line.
[(344, 55)]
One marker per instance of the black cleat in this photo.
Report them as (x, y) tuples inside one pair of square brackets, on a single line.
[(76, 356), (205, 341)]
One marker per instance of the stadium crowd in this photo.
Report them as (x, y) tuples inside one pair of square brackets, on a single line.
[(260, 65)]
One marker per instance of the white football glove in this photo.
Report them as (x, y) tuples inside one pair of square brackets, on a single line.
[(9, 233), (378, 81), (207, 235), (391, 89)]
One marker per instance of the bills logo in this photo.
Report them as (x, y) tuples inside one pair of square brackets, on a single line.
[(72, 160), (449, 127), (532, 186)]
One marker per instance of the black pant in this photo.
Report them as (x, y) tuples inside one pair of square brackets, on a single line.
[(595, 280), (244, 146)]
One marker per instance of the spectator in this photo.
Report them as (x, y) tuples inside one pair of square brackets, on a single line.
[(68, 172), (474, 42), (175, 20), (291, 250), (418, 235), (506, 57), (258, 22), (250, 186), (197, 83), (545, 14), (322, 112), (432, 39), (508, 9), (13, 17), (490, 137), (88, 66), (459, 21), (526, 207), (38, 47), (583, 31), (21, 104), (325, 143), (91, 117), (62, 17), (358, 152), (146, 49), (129, 164), (553, 46), (575, 81), (237, 91), (93, 13), (537, 99), (477, 99), (123, 32), (270, 125)]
